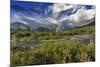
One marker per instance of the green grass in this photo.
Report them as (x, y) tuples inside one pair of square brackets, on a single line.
[(52, 54), (25, 35)]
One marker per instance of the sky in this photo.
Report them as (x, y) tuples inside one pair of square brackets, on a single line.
[(52, 12)]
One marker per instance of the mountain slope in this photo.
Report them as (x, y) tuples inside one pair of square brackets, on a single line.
[(33, 25)]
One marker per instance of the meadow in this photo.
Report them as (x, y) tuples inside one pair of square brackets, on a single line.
[(51, 52)]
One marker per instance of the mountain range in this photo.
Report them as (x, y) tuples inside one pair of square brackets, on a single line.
[(33, 25)]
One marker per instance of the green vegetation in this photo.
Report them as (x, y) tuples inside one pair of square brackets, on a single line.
[(28, 36), (52, 54)]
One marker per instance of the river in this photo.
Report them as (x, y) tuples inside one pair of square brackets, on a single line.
[(82, 39)]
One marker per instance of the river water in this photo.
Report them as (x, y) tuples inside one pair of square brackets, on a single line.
[(82, 39)]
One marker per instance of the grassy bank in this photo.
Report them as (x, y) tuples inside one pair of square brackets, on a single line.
[(25, 35)]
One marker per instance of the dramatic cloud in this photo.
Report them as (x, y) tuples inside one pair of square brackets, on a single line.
[(70, 14), (58, 8), (81, 14)]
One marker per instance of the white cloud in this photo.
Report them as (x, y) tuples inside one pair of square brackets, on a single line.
[(58, 8), (18, 18), (51, 20), (80, 17)]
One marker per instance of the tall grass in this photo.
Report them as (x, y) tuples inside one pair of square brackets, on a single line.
[(52, 54)]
